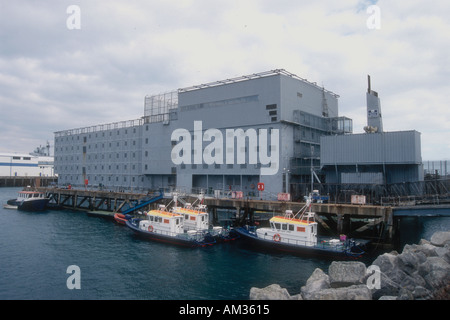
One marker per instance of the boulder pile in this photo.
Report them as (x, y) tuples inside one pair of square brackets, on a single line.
[(420, 272)]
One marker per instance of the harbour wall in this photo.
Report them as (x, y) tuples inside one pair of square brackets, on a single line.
[(27, 181)]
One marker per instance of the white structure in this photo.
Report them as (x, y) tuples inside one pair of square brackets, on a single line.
[(25, 165)]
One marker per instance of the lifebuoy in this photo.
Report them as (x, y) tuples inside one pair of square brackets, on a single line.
[(276, 237), (150, 229)]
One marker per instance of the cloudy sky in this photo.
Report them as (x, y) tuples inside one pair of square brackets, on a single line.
[(58, 72)]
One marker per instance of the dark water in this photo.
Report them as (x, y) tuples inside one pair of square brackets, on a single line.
[(37, 248)]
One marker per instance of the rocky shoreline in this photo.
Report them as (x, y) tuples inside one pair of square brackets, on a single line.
[(420, 272)]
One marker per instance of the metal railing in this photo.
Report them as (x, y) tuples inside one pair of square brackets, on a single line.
[(340, 246)]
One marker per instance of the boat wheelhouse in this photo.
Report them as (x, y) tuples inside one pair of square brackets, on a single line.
[(194, 218), (163, 222), (197, 218), (287, 229)]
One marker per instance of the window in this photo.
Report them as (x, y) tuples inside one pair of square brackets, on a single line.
[(271, 107), (284, 226), (291, 227)]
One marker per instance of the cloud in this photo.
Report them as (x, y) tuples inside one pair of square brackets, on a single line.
[(52, 78)]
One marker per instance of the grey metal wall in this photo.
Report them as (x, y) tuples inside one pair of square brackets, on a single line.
[(402, 147), (379, 158)]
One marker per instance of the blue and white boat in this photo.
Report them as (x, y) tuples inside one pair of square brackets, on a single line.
[(164, 226), (28, 201), (298, 235)]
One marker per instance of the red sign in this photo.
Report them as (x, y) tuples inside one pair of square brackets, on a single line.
[(86, 182), (260, 186), (284, 197)]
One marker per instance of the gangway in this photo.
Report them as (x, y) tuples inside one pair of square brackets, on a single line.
[(143, 204)]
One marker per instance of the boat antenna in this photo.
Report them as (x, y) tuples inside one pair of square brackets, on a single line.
[(304, 208)]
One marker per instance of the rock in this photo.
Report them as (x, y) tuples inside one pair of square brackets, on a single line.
[(421, 293), (409, 261), (272, 292), (420, 272), (405, 294), (387, 262), (296, 297), (356, 292), (444, 252), (388, 298), (410, 282), (346, 273), (316, 282), (426, 248), (438, 272), (440, 238), (391, 275)]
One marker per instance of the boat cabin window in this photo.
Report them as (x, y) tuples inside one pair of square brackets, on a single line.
[(276, 226), (291, 227), (284, 227), (155, 219)]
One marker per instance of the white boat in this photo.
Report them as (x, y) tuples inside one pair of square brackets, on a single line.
[(197, 218), (164, 226), (298, 234)]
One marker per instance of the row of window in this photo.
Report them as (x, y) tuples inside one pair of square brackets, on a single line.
[(97, 156), (99, 179), (286, 227), (219, 166), (90, 136)]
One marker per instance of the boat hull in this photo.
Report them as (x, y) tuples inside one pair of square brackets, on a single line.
[(174, 240), (318, 250), (31, 205)]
